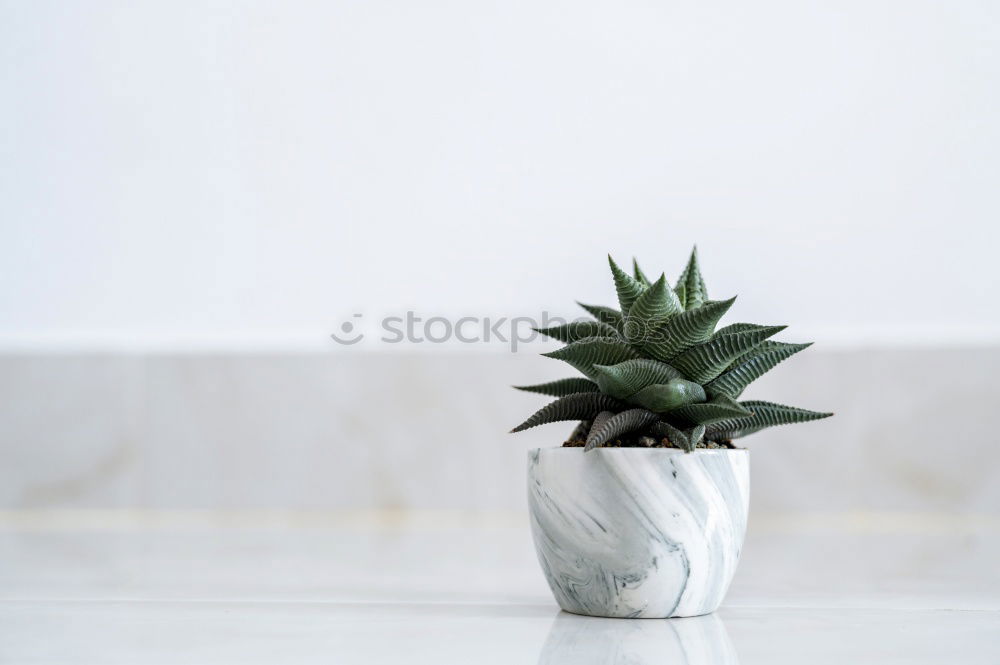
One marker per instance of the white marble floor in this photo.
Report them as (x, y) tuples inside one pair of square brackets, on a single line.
[(448, 588)]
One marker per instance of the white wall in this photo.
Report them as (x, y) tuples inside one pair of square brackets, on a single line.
[(361, 431), (192, 172), (213, 176)]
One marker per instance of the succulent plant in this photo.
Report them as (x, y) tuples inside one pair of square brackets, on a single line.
[(658, 369)]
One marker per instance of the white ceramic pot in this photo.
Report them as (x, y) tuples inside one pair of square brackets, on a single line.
[(638, 532)]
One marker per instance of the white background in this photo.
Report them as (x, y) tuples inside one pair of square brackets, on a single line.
[(206, 173), (195, 193)]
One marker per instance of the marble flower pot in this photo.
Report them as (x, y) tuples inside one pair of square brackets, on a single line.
[(638, 532)]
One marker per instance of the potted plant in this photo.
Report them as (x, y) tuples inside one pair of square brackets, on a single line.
[(642, 511)]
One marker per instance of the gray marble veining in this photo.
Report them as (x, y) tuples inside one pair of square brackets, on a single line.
[(640, 533)]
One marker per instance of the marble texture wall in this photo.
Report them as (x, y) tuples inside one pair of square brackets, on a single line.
[(427, 430)]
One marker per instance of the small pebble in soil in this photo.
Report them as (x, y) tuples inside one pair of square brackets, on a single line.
[(647, 441)]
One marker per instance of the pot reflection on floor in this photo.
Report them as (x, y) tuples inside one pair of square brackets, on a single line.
[(580, 640)]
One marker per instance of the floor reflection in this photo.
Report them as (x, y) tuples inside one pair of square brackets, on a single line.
[(578, 640)]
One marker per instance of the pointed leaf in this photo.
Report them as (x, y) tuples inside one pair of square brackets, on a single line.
[(681, 292), (765, 414), (628, 288), (663, 397), (650, 310), (733, 434), (578, 406), (574, 331), (738, 327), (607, 315), (676, 437), (704, 362), (685, 330), (638, 274), (695, 292), (751, 367), (563, 387), (695, 435), (586, 353), (622, 423), (598, 423), (631, 376), (719, 409)]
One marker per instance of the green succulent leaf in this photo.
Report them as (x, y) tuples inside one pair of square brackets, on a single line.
[(663, 397), (734, 434), (607, 315), (574, 331), (598, 423), (751, 367), (578, 406), (704, 362), (695, 292), (719, 409), (629, 289), (629, 377), (615, 426), (651, 309), (656, 363), (685, 330), (675, 436), (638, 274), (738, 327), (765, 414), (587, 353), (563, 387), (681, 292)]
